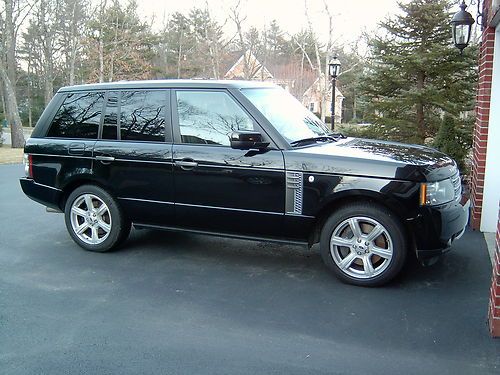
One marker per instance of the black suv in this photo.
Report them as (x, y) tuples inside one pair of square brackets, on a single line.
[(239, 159)]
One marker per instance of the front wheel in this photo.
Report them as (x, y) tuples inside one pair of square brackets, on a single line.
[(364, 244), (94, 220)]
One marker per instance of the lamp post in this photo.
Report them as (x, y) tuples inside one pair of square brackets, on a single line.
[(333, 70), (461, 25)]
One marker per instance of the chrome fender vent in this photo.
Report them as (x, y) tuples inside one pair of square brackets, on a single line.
[(294, 193)]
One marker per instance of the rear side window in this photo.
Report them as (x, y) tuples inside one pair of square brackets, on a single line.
[(78, 117), (142, 115)]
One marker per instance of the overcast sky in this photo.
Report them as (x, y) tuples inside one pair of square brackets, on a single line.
[(351, 16)]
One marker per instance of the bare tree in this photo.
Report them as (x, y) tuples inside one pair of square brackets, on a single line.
[(11, 109), (73, 27), (15, 13)]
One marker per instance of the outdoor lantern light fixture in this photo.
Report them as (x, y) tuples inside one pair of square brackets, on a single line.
[(461, 24), (334, 71), (334, 67)]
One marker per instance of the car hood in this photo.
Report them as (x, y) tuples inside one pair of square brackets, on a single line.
[(376, 158)]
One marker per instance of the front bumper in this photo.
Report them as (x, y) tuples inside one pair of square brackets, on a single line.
[(436, 228), (47, 195)]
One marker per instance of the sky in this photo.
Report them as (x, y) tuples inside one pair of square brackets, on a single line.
[(351, 17)]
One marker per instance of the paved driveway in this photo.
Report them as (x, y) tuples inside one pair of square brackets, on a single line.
[(172, 303)]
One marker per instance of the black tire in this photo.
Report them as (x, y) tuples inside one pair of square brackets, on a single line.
[(118, 225), (393, 238)]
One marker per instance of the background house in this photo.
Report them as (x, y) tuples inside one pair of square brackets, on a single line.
[(250, 68), (485, 183), (311, 99)]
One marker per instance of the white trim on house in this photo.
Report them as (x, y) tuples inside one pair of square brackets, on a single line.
[(259, 69), (491, 190)]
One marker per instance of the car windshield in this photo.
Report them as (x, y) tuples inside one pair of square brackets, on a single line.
[(292, 120)]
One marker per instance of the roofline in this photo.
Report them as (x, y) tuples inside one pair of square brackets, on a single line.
[(169, 84)]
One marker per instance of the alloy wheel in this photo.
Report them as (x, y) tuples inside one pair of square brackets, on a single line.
[(361, 247), (90, 219)]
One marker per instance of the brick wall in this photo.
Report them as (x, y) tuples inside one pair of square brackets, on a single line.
[(494, 306), (480, 136)]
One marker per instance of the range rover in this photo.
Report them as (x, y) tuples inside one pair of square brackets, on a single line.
[(238, 159)]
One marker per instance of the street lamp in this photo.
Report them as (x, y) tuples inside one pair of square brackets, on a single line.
[(461, 24), (333, 70)]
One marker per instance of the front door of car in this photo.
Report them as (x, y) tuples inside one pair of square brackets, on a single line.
[(133, 155), (217, 188)]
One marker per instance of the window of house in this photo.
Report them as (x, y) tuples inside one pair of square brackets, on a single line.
[(209, 117), (78, 117)]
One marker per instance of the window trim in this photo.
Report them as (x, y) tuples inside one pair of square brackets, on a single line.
[(177, 139)]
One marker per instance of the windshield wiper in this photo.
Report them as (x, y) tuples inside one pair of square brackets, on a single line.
[(322, 138), (337, 135)]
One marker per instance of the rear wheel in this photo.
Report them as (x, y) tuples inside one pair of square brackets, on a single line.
[(94, 220), (363, 244)]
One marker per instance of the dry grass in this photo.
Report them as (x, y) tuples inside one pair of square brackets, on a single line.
[(10, 155)]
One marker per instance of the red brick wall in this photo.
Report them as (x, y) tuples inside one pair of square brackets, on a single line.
[(480, 136), (494, 308)]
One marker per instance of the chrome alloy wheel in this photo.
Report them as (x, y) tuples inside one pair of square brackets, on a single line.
[(90, 219), (361, 247)]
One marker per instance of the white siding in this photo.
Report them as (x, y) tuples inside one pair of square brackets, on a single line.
[(491, 193)]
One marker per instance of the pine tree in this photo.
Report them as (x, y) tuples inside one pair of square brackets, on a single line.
[(415, 74), (450, 140)]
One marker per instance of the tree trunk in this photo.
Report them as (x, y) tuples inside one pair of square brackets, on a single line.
[(74, 43), (420, 108), (10, 41), (12, 111), (101, 58), (354, 108), (179, 55)]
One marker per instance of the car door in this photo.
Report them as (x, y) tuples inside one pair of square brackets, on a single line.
[(133, 155), (217, 188), (69, 140)]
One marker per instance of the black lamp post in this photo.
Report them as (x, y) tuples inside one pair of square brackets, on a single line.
[(333, 70), (461, 24)]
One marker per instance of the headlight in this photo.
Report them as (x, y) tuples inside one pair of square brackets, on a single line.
[(435, 193)]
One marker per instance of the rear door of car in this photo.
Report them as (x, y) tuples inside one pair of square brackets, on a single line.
[(67, 143), (133, 153), (217, 188)]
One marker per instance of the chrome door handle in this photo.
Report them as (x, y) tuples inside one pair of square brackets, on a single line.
[(186, 164), (105, 158)]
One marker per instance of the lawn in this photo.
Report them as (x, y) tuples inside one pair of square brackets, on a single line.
[(10, 155)]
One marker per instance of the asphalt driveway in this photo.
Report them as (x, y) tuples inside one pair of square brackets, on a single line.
[(170, 303)]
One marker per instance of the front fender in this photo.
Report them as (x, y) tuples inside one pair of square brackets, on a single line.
[(327, 191)]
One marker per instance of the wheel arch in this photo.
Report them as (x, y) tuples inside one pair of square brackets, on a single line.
[(71, 185), (347, 197)]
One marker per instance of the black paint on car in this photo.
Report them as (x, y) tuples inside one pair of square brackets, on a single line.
[(238, 159)]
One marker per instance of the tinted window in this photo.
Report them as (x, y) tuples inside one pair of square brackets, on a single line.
[(78, 117), (209, 117), (142, 115), (110, 123)]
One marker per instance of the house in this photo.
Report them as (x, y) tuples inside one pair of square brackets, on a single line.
[(311, 98), (250, 68), (485, 178)]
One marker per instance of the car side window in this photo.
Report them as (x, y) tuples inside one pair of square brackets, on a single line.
[(209, 117), (142, 115), (78, 117)]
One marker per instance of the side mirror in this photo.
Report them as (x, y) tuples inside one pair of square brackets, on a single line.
[(247, 140)]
